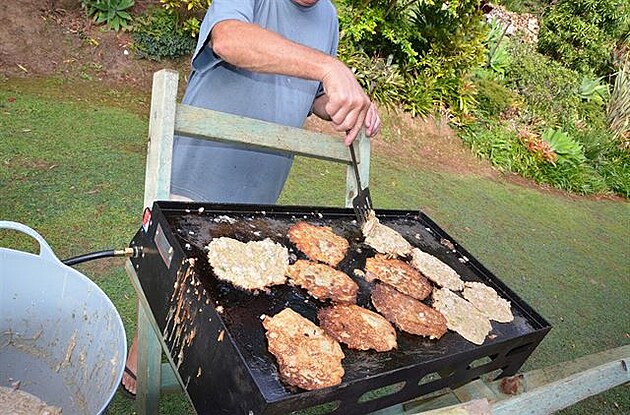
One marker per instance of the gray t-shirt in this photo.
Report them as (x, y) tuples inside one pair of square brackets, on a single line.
[(216, 172)]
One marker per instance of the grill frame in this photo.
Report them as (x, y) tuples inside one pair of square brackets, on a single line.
[(218, 350)]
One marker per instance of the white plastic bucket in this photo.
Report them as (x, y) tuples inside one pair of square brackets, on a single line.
[(61, 337)]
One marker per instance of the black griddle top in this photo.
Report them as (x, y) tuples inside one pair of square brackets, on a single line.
[(189, 227)]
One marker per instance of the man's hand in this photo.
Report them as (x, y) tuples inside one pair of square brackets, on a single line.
[(372, 121), (348, 105)]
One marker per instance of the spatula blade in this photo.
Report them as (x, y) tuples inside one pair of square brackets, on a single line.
[(362, 203)]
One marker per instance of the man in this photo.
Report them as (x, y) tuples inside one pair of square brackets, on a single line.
[(271, 60)]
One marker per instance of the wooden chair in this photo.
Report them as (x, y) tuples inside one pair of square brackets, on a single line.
[(168, 118)]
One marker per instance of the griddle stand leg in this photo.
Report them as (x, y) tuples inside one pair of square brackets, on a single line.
[(149, 366)]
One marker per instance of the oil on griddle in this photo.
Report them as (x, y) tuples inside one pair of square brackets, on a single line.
[(242, 311)]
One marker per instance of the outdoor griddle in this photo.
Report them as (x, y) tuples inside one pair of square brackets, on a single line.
[(214, 331)]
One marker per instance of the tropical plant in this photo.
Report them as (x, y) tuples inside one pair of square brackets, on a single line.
[(498, 57), (420, 96), (111, 12), (192, 26), (186, 4), (538, 147), (501, 146), (567, 149), (381, 78), (508, 151), (592, 89)]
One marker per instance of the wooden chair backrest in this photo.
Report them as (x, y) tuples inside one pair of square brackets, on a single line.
[(168, 118)]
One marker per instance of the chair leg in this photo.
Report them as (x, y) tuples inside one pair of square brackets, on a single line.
[(149, 367)]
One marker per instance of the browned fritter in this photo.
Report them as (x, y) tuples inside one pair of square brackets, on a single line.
[(319, 243), (407, 313), (357, 327), (307, 357), (398, 274), (323, 281)]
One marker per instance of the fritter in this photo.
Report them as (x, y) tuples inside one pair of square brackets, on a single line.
[(307, 357), (461, 316), (398, 274), (319, 243), (407, 313), (383, 238), (323, 281), (436, 270), (486, 300), (254, 265), (357, 327)]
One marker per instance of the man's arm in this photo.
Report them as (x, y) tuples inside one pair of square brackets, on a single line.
[(251, 47)]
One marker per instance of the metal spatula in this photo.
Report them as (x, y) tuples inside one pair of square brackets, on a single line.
[(362, 203)]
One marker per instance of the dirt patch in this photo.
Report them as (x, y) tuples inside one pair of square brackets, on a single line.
[(55, 38), (29, 163), (101, 267)]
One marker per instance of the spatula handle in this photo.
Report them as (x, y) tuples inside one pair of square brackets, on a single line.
[(355, 166)]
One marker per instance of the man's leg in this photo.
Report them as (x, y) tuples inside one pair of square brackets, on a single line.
[(129, 376)]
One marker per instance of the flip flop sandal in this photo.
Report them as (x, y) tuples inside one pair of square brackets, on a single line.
[(124, 390)]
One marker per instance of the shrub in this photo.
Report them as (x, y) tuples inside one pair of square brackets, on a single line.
[(581, 34), (493, 98), (532, 157), (610, 161), (433, 45), (581, 179), (536, 7), (615, 169), (548, 88), (157, 36), (188, 13), (500, 145)]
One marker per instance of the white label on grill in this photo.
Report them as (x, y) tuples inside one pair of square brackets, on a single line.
[(164, 248)]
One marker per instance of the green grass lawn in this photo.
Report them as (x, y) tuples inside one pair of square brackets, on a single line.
[(73, 169)]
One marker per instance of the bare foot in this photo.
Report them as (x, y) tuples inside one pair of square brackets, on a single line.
[(129, 377)]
